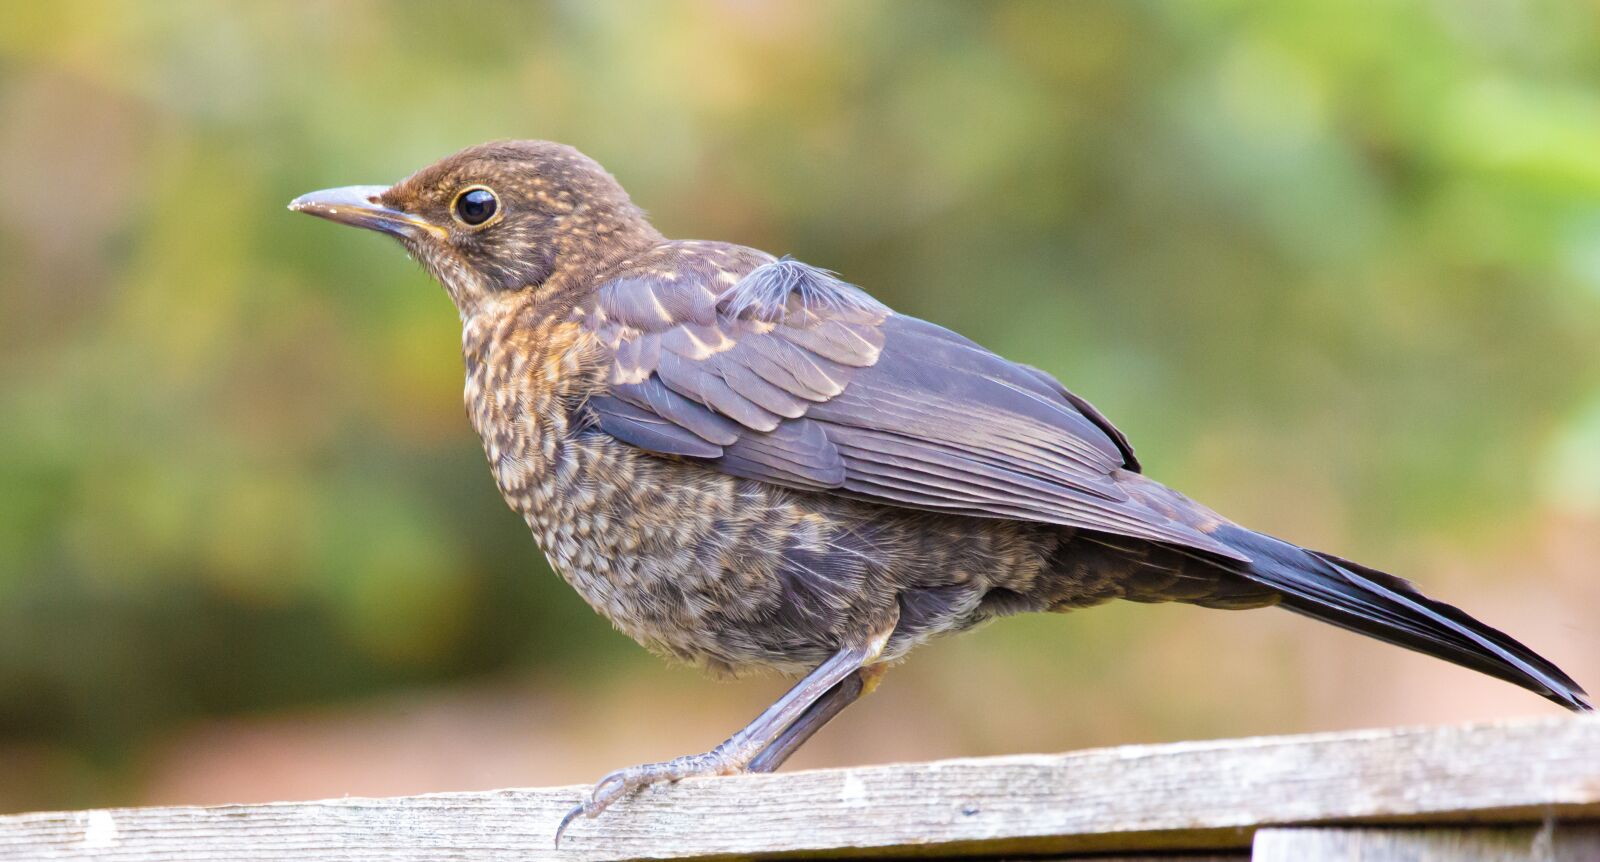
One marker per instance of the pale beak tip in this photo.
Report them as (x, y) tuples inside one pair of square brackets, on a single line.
[(359, 206)]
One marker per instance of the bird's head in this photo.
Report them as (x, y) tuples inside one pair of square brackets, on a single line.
[(496, 217)]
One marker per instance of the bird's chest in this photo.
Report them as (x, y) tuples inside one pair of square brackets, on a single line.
[(643, 540), (524, 393)]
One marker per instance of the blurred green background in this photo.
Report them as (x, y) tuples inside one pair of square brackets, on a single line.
[(1334, 267)]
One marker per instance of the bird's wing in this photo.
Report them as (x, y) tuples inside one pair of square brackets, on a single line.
[(792, 377)]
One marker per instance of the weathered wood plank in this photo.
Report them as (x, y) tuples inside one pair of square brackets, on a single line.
[(1550, 842), (1170, 856), (1192, 795)]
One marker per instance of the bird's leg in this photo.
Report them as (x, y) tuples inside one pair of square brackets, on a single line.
[(737, 751), (851, 689)]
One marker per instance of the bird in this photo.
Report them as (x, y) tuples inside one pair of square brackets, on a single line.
[(745, 463)]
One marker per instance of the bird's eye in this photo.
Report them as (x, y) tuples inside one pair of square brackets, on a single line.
[(475, 206)]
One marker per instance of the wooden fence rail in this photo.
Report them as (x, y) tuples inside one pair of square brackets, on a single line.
[(1527, 789)]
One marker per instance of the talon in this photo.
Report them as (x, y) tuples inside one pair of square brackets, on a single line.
[(600, 790), (566, 821), (622, 782)]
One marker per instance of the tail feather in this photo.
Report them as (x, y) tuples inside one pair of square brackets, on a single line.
[(1380, 605)]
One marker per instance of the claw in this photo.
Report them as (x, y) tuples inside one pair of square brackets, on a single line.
[(622, 782), (601, 795), (567, 821), (606, 791)]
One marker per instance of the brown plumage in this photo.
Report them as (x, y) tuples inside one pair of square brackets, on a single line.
[(744, 462)]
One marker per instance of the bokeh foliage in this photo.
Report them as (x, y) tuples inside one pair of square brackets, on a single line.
[(1335, 267)]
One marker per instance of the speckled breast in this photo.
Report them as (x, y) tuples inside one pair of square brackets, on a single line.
[(666, 551), (709, 569)]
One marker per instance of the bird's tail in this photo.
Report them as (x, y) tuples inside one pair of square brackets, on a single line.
[(1379, 605)]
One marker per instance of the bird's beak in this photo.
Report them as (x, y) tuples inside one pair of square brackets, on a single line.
[(361, 206)]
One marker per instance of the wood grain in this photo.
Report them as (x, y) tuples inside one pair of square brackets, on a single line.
[(1549, 842), (1144, 798)]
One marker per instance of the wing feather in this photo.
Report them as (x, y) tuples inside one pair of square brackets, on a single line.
[(650, 431), (654, 396), (792, 377)]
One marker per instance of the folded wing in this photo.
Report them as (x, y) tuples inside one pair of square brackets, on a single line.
[(790, 376)]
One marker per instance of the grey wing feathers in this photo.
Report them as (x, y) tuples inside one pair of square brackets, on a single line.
[(648, 430), (792, 377)]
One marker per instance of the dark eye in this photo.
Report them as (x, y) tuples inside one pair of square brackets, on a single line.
[(476, 206)]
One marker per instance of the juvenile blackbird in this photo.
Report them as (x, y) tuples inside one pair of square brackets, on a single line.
[(743, 462)]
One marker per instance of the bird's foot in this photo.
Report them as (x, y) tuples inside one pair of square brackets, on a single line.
[(722, 760)]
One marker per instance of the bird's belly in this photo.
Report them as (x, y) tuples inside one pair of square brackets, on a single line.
[(686, 561), (731, 574)]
